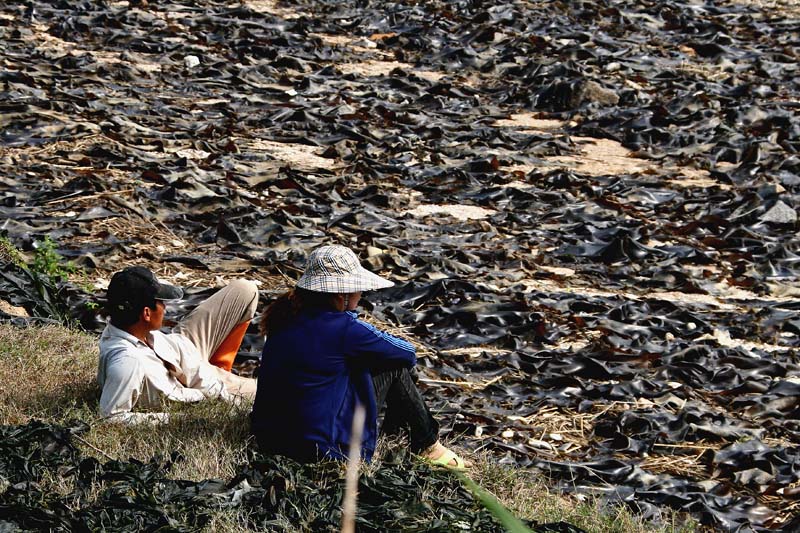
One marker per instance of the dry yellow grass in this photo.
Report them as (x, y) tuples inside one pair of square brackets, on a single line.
[(46, 373)]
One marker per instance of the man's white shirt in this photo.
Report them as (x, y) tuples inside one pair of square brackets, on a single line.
[(131, 373)]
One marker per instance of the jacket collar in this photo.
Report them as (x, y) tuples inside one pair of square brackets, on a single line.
[(113, 331)]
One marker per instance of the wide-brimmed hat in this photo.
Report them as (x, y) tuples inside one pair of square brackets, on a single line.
[(336, 269), (136, 286)]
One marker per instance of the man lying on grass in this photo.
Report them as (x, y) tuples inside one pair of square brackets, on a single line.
[(142, 367)]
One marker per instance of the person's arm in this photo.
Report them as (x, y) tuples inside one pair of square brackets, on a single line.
[(131, 418), (369, 345), (124, 380), (121, 390), (201, 376), (122, 385), (206, 379)]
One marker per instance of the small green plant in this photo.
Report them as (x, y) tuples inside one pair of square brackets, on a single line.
[(39, 288), (48, 262)]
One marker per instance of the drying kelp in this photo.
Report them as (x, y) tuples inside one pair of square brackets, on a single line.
[(43, 297), (404, 495), (589, 208)]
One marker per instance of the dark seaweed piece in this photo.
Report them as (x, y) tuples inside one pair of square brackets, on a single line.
[(405, 494)]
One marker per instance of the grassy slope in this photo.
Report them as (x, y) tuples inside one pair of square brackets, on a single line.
[(48, 373)]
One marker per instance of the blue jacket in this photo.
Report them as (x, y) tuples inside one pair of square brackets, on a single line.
[(312, 375)]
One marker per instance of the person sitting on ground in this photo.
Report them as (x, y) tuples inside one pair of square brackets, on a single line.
[(142, 367), (320, 361)]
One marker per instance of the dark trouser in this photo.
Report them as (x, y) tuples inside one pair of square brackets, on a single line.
[(404, 409)]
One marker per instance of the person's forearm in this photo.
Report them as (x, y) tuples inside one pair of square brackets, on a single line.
[(130, 418)]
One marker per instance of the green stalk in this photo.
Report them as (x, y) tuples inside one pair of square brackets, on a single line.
[(509, 521)]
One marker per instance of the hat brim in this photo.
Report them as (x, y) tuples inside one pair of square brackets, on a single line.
[(360, 281), (168, 293)]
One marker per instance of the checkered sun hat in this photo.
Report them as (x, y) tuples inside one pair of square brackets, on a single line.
[(336, 269)]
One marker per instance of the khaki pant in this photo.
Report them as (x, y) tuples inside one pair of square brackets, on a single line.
[(211, 322)]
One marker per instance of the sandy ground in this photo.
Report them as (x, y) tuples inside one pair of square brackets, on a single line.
[(50, 44), (298, 156), (272, 7), (457, 211), (14, 310), (598, 157)]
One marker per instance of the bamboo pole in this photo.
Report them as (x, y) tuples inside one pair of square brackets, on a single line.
[(350, 501)]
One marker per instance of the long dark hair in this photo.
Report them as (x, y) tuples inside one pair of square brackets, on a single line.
[(283, 311)]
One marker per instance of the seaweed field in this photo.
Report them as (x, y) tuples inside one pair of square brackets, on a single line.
[(589, 210)]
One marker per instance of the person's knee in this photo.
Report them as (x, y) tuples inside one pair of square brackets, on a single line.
[(244, 286), (408, 375), (246, 290)]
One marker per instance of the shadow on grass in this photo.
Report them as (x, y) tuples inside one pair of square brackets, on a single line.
[(69, 401), (212, 438)]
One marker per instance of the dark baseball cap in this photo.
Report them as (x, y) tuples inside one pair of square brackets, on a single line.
[(136, 286)]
